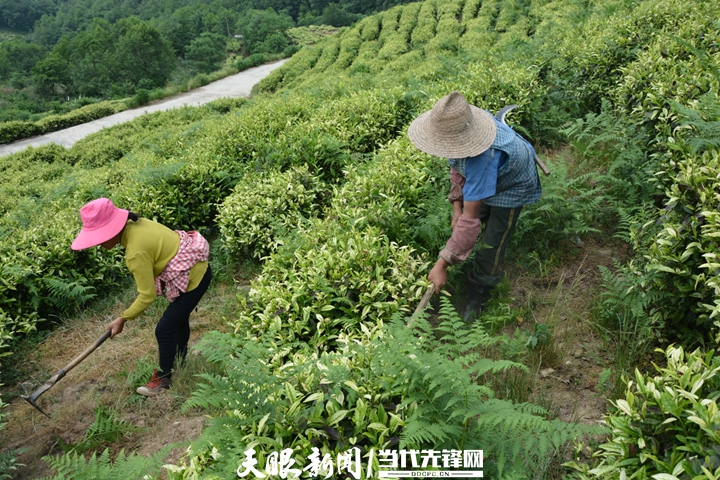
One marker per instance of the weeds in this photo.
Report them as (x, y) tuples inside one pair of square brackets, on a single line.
[(107, 428)]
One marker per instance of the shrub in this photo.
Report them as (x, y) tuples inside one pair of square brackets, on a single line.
[(424, 30), (369, 28), (17, 129), (84, 114), (390, 192), (667, 424), (328, 279), (266, 207)]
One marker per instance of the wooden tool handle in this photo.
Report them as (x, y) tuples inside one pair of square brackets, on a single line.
[(87, 351), (542, 166), (426, 298)]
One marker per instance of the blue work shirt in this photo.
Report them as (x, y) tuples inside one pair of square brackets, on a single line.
[(504, 175)]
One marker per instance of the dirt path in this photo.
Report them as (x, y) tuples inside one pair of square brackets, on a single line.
[(238, 85)]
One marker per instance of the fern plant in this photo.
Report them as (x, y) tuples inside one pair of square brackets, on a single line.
[(77, 467), (406, 385), (68, 295), (107, 428), (442, 370)]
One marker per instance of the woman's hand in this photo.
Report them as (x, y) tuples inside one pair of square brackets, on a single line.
[(438, 274), (116, 326)]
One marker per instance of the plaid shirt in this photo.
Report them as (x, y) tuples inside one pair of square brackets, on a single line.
[(174, 278), (518, 182)]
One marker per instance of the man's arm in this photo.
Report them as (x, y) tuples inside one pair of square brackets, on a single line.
[(465, 234)]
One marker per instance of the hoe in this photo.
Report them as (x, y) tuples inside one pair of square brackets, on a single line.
[(32, 398)]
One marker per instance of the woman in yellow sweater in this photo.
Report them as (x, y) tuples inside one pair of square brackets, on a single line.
[(163, 261)]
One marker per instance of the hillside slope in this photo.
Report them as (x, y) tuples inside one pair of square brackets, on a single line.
[(316, 178)]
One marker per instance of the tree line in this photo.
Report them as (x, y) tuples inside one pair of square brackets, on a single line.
[(66, 49)]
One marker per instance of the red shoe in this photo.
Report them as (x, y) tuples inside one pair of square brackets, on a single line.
[(156, 386)]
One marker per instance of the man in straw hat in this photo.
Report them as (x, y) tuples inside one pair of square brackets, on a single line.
[(493, 175), (163, 261)]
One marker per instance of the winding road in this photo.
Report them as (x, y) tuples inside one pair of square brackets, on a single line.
[(238, 85)]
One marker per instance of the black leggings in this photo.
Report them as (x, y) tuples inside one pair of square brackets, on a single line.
[(173, 329)]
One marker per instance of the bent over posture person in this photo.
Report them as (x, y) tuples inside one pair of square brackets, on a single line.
[(492, 174), (162, 261)]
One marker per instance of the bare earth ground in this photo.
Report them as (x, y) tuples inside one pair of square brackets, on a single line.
[(569, 378), (567, 374)]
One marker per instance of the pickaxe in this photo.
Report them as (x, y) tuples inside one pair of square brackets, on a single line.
[(501, 116), (32, 398)]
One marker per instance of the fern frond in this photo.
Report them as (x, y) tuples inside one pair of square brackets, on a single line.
[(77, 467), (65, 294)]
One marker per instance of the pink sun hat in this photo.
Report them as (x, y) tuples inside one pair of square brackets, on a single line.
[(102, 220)]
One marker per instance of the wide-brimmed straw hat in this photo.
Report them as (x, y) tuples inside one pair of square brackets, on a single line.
[(102, 220), (453, 129)]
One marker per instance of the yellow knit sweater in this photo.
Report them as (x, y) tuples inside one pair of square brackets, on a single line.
[(149, 246)]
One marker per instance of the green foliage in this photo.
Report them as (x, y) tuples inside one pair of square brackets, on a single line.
[(667, 424), (265, 207), (14, 130), (390, 193), (397, 387), (17, 57), (75, 466), (67, 296), (256, 26), (311, 34), (676, 245), (424, 29), (8, 464), (328, 279), (105, 59), (8, 459), (568, 209), (206, 52), (608, 142), (630, 315), (541, 336), (11, 131), (106, 429)]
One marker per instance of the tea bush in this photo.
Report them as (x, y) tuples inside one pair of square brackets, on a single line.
[(327, 279), (16, 130), (389, 22), (424, 30), (265, 207), (390, 192), (667, 424)]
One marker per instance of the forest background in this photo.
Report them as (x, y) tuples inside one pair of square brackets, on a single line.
[(56, 56)]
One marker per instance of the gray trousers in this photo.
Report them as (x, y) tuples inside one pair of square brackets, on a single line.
[(499, 225)]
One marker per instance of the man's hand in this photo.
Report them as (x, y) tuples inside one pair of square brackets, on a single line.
[(116, 326), (438, 274)]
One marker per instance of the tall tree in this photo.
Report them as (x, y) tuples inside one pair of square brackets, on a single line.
[(206, 52), (18, 56), (257, 25), (92, 59), (52, 73), (22, 14), (144, 58)]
